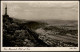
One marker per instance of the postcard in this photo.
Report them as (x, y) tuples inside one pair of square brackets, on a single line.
[(39, 25)]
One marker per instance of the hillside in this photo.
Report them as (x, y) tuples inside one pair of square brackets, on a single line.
[(17, 34)]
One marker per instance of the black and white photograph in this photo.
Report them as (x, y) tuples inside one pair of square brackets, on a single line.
[(40, 24)]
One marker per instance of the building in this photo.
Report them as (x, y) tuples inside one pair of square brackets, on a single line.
[(6, 15)]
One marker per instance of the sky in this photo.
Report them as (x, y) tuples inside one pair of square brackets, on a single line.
[(42, 10)]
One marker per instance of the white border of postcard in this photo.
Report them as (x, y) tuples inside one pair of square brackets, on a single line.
[(39, 48)]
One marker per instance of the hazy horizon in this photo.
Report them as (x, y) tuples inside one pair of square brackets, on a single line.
[(42, 10)]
